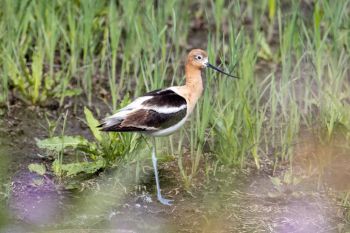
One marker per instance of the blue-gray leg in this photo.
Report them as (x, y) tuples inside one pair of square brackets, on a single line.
[(154, 160)]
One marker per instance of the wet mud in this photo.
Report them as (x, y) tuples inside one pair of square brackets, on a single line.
[(306, 199)]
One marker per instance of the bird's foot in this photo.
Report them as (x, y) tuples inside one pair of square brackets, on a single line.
[(165, 201)]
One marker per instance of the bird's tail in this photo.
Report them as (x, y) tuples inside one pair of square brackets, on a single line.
[(110, 124)]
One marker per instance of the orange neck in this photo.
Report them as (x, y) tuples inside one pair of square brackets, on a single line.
[(193, 78), (194, 85)]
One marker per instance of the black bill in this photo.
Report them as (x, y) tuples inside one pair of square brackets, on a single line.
[(219, 70)]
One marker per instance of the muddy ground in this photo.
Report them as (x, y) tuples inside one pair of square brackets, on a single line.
[(232, 200)]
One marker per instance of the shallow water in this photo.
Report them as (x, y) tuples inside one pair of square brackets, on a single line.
[(233, 200)]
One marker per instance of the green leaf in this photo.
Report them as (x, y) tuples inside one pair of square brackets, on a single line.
[(73, 169), (125, 101), (92, 123), (275, 194), (265, 51), (69, 92), (272, 9), (38, 182), (276, 181), (56, 168), (287, 179), (37, 73), (296, 180), (59, 143), (37, 168)]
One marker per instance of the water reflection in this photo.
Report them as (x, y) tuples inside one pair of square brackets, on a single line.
[(233, 201), (34, 199)]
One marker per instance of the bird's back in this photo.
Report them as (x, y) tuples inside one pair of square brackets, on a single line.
[(154, 112)]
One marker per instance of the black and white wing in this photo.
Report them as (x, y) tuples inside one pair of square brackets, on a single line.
[(155, 111)]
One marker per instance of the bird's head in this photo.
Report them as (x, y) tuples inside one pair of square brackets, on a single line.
[(198, 58)]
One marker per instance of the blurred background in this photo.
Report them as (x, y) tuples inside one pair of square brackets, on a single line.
[(266, 153)]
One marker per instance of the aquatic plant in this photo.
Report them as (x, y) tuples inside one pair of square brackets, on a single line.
[(91, 156)]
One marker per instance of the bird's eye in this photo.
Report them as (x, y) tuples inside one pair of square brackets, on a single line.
[(199, 57)]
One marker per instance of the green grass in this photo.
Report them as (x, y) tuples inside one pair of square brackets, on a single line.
[(293, 63)]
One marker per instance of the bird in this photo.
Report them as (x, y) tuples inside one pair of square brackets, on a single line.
[(161, 112)]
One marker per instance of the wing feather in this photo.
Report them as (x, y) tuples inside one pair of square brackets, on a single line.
[(154, 111)]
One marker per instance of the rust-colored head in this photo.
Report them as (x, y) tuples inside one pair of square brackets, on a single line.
[(197, 58)]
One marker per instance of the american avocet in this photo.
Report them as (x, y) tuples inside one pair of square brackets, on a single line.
[(162, 112)]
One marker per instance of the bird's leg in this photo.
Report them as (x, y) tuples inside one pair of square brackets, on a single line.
[(154, 160)]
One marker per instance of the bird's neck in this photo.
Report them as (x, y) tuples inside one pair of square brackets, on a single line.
[(193, 78), (194, 83)]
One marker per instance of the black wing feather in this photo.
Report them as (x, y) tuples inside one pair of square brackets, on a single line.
[(149, 119)]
